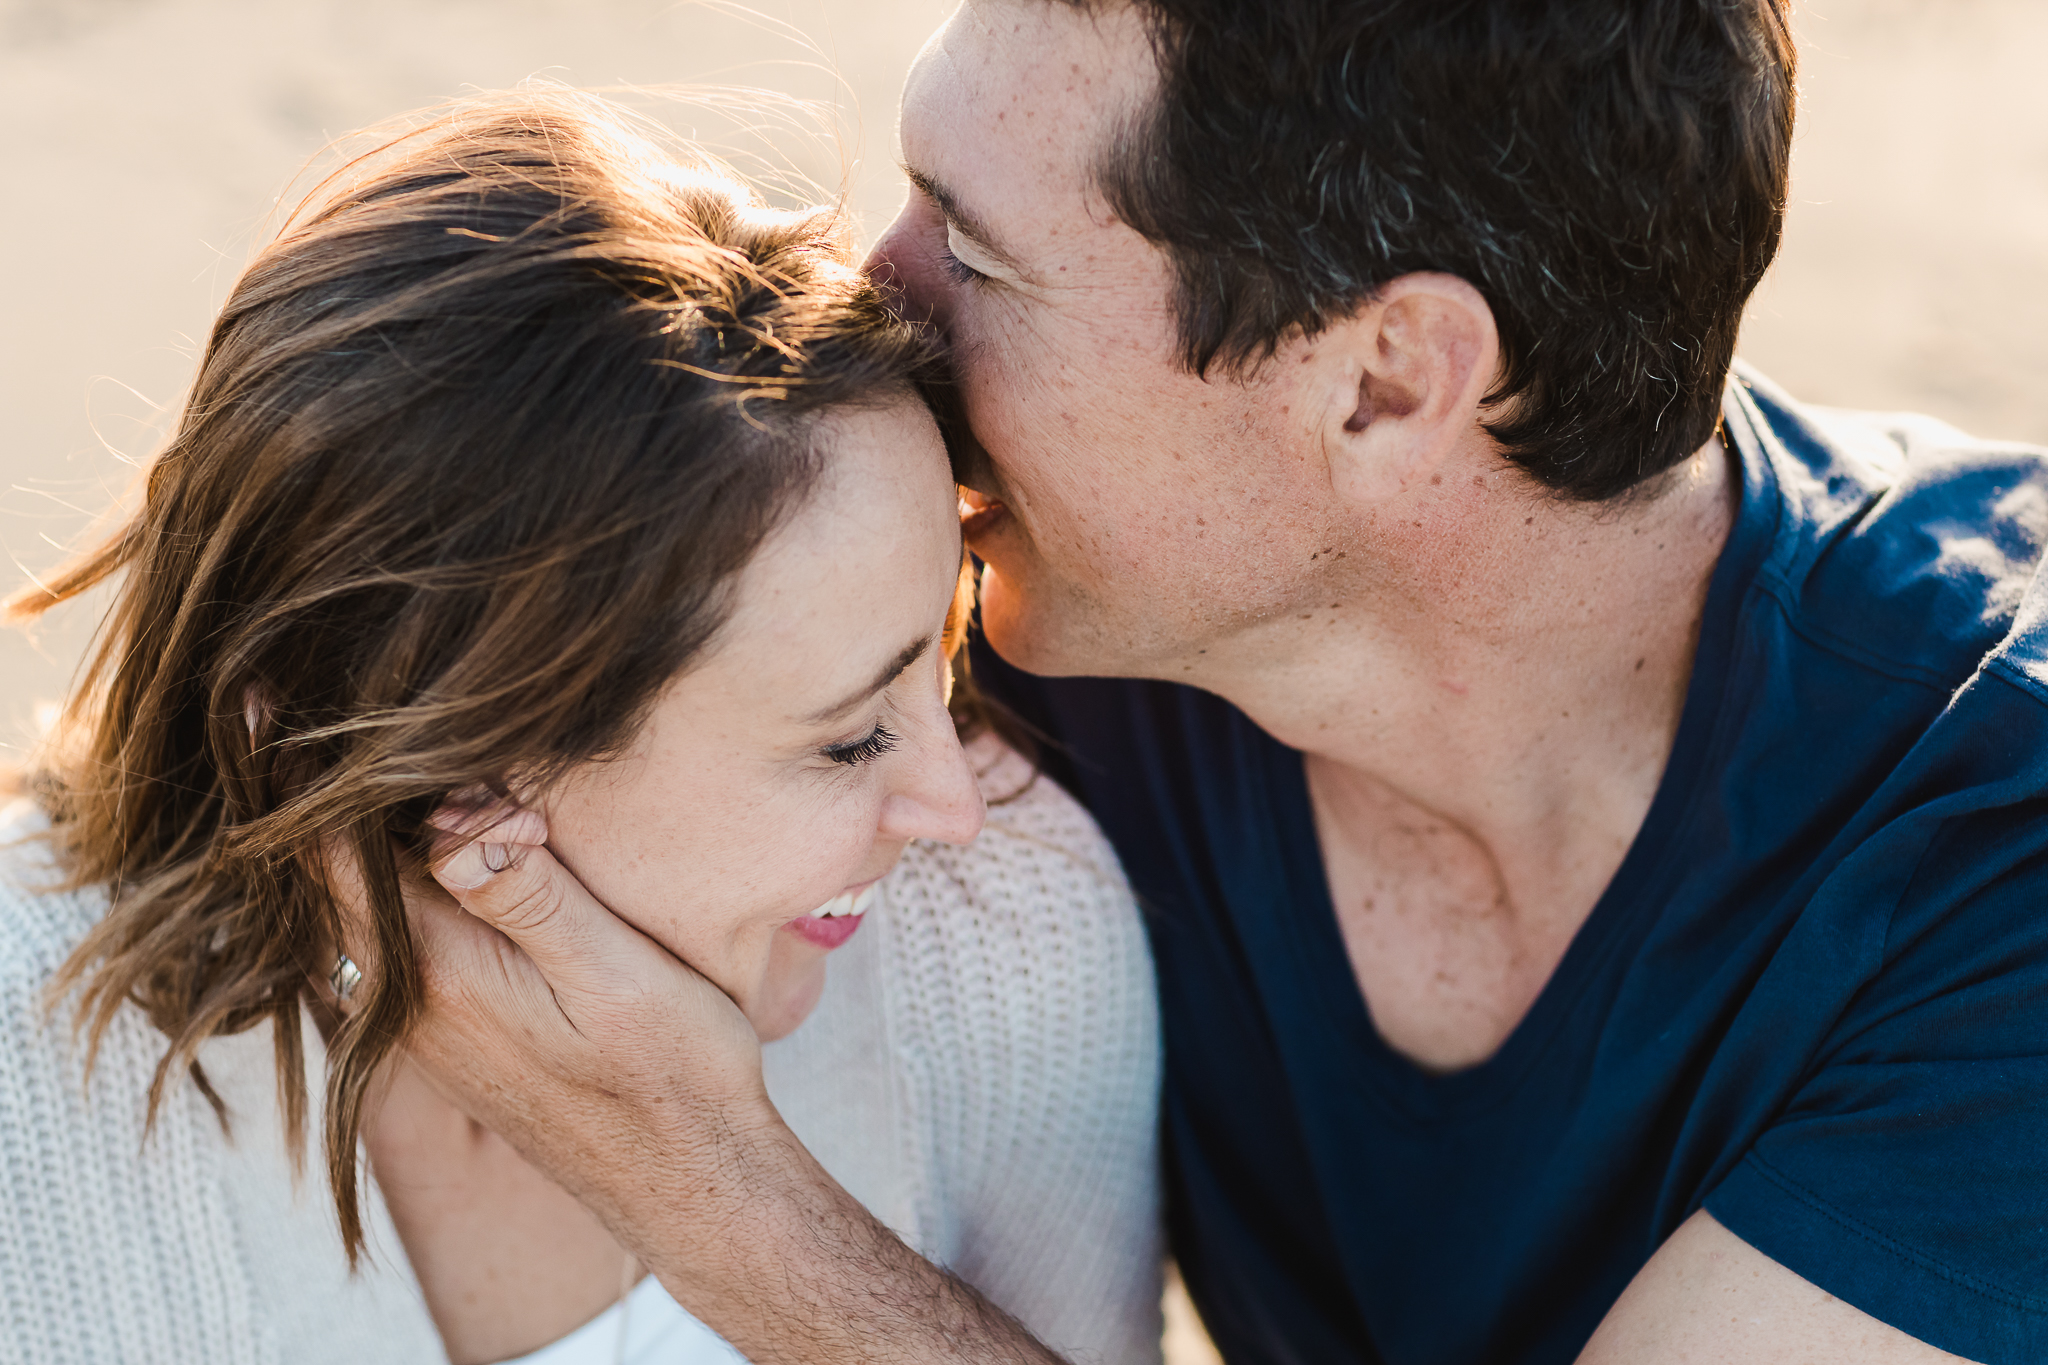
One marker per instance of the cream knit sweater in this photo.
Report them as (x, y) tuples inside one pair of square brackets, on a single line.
[(982, 1072)]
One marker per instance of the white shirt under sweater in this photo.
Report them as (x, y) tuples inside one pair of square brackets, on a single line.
[(982, 1072)]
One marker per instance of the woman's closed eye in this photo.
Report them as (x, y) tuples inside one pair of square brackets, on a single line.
[(877, 742)]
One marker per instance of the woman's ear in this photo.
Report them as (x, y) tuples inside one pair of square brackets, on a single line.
[(1414, 364)]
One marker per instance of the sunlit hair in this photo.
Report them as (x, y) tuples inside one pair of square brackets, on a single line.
[(475, 451)]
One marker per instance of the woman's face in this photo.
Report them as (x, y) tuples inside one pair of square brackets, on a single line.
[(784, 772)]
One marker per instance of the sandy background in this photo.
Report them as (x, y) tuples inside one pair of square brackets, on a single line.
[(151, 136)]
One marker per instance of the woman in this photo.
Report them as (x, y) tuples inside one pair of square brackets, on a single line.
[(533, 477)]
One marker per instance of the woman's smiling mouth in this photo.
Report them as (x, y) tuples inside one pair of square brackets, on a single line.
[(834, 922)]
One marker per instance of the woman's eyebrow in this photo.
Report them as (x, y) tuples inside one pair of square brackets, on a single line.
[(891, 671), (964, 222)]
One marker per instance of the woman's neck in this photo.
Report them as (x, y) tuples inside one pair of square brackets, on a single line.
[(508, 1260)]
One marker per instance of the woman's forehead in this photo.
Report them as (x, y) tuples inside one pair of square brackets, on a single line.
[(864, 568)]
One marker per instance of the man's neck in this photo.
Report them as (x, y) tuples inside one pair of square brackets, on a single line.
[(1484, 732)]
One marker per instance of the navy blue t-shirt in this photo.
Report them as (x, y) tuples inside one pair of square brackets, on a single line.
[(1813, 1001)]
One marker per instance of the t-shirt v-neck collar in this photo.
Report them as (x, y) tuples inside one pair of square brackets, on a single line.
[(1309, 935)]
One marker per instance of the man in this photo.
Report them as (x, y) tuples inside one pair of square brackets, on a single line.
[(1591, 812)]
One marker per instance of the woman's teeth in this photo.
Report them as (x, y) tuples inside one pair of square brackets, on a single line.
[(847, 903)]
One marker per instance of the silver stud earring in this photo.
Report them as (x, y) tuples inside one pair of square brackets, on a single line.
[(345, 977)]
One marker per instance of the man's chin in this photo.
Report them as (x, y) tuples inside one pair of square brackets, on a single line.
[(1025, 630)]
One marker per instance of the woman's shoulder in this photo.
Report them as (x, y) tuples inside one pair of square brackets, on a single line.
[(49, 1095), (216, 1244), (1022, 1020), (41, 918), (1038, 841), (1031, 918)]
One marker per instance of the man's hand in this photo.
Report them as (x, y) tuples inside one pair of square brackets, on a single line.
[(636, 1084), (550, 1018)]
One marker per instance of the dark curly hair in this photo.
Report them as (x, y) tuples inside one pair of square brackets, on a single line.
[(1609, 174)]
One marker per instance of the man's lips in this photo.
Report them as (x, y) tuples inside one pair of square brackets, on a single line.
[(979, 513), (834, 922)]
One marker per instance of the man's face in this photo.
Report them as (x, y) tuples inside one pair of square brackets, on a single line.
[(1144, 513)]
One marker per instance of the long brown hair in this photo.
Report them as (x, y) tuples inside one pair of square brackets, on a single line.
[(475, 450)]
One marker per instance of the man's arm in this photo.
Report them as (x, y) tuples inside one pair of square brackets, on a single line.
[(636, 1084), (1709, 1298)]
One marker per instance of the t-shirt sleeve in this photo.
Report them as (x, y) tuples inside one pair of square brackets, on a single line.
[(1909, 1174)]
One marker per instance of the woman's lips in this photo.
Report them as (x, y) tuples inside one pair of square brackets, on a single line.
[(832, 923), (978, 513)]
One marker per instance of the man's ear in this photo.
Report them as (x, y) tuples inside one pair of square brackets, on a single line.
[(1410, 368)]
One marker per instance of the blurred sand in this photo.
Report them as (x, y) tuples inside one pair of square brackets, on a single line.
[(1915, 265), (152, 135)]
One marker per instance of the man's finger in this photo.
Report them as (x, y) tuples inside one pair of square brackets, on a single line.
[(521, 891), (459, 947)]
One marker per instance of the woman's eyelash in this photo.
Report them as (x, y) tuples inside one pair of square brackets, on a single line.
[(878, 742)]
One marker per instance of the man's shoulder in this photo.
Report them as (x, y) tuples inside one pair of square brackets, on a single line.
[(1907, 543)]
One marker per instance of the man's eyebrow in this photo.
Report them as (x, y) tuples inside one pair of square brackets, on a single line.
[(891, 671), (961, 218)]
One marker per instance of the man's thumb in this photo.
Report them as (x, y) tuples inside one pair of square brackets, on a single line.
[(506, 878)]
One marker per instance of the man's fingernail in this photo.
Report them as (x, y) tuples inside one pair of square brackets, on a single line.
[(472, 865), (450, 819)]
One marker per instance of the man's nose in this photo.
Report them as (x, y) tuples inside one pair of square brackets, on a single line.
[(899, 268), (880, 266)]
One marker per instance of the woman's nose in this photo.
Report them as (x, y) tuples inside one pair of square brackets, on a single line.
[(936, 796)]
